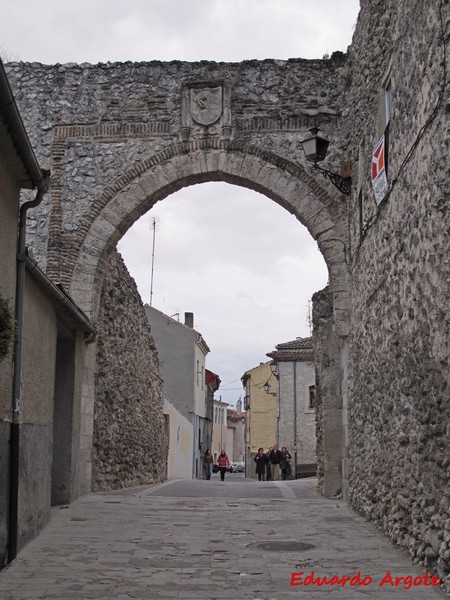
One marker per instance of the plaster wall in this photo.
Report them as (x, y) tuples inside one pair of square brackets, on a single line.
[(9, 204), (295, 379), (176, 347), (199, 388), (261, 423), (181, 440), (219, 428), (36, 435)]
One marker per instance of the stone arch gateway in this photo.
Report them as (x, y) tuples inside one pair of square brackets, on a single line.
[(120, 137), (105, 129), (138, 190)]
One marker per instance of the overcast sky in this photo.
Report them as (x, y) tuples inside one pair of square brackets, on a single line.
[(243, 265)]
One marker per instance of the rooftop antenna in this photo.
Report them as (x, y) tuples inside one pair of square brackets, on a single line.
[(309, 317), (153, 258)]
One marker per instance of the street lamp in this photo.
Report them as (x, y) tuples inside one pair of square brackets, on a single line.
[(274, 368), (267, 388), (315, 148)]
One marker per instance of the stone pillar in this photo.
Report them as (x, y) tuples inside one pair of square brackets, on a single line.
[(329, 419)]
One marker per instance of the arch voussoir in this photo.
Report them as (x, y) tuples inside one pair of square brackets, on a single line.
[(132, 194)]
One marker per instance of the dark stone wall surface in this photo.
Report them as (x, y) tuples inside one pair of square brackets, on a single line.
[(399, 410), (89, 123), (130, 440)]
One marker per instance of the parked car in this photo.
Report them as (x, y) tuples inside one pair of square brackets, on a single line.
[(237, 467)]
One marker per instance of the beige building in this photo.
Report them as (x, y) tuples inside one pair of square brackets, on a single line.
[(260, 404)]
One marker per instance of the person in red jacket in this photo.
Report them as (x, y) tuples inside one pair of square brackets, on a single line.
[(223, 463)]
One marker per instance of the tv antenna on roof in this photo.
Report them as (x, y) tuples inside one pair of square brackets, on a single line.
[(153, 258)]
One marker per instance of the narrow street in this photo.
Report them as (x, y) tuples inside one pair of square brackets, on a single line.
[(239, 540)]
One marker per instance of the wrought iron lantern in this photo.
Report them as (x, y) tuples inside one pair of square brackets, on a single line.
[(315, 148)]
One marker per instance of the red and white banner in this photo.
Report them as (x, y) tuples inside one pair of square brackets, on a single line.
[(378, 172)]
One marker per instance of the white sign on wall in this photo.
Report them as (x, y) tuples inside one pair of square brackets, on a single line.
[(378, 171)]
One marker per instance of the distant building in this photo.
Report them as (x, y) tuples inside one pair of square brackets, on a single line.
[(212, 382), (260, 405), (236, 433), (296, 423), (220, 440), (182, 353)]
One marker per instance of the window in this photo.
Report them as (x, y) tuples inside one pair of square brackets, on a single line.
[(312, 397), (203, 376), (362, 219), (198, 372), (387, 100)]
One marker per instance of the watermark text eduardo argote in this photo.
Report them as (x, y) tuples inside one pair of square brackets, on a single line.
[(387, 579)]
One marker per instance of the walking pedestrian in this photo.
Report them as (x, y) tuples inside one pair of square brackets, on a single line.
[(261, 461), (268, 466), (285, 465), (275, 457), (207, 463), (223, 463)]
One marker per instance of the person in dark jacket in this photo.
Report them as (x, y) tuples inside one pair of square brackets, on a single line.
[(208, 463), (285, 463), (261, 461), (275, 458)]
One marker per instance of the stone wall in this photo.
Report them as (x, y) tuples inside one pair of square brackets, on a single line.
[(399, 345), (130, 441), (91, 123), (328, 395)]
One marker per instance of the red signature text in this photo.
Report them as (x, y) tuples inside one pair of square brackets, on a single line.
[(405, 581)]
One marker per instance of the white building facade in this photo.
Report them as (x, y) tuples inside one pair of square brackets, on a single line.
[(296, 412)]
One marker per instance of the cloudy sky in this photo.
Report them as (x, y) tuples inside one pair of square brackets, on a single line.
[(244, 266)]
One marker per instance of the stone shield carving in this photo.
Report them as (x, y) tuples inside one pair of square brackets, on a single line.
[(206, 104)]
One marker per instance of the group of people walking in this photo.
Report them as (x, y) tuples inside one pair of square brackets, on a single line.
[(270, 464)]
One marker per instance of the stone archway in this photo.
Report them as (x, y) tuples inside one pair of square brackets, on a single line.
[(144, 184), (121, 136), (137, 190)]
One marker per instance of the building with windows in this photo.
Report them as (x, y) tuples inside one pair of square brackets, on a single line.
[(260, 405), (220, 430), (236, 420), (182, 353), (296, 412)]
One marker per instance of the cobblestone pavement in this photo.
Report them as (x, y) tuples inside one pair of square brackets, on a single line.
[(209, 540)]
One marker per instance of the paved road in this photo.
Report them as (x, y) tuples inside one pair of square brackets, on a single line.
[(239, 540)]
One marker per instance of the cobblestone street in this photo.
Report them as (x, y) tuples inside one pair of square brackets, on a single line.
[(208, 540)]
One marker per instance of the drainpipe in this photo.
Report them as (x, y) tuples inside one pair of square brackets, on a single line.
[(17, 373), (40, 180), (295, 419)]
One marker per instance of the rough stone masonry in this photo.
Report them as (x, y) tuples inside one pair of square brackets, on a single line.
[(130, 443), (119, 137)]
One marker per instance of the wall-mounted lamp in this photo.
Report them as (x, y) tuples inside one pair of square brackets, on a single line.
[(315, 149), (267, 388), (274, 368)]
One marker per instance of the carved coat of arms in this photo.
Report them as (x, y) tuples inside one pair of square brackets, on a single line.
[(206, 104)]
